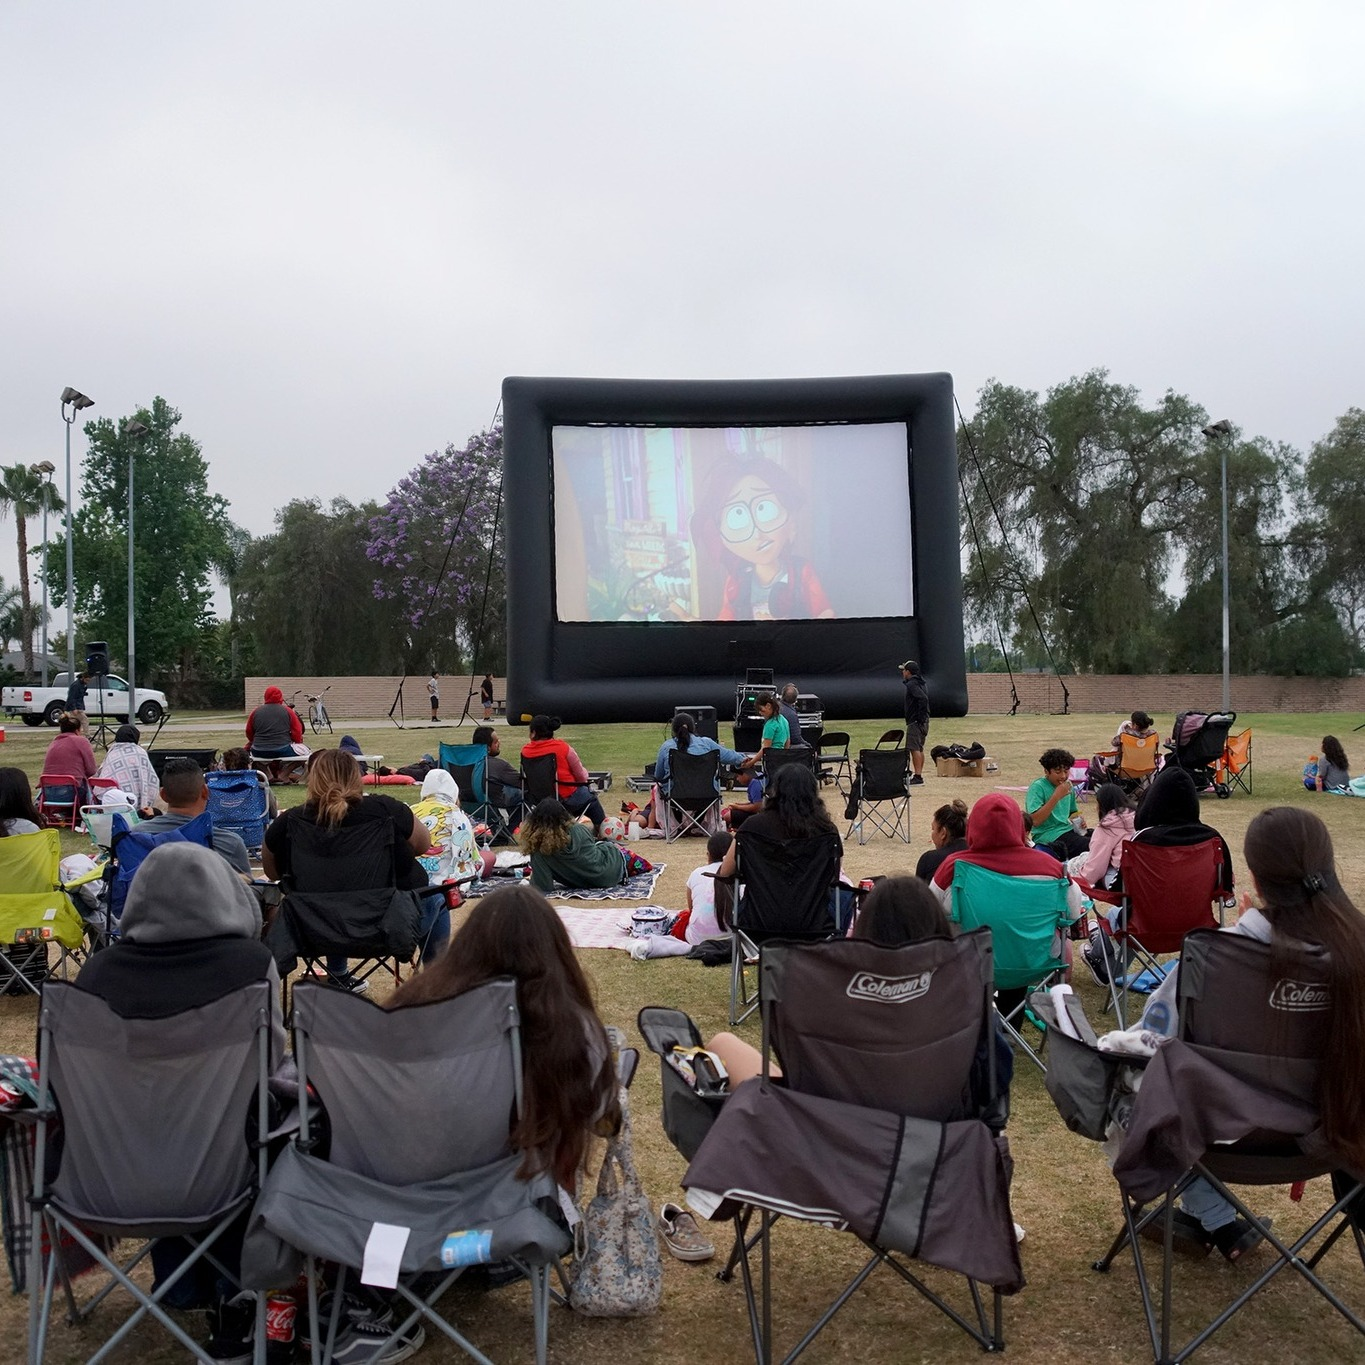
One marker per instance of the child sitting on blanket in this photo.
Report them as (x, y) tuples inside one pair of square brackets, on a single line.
[(701, 908)]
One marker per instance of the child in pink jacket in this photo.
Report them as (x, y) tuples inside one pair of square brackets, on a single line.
[(1100, 866)]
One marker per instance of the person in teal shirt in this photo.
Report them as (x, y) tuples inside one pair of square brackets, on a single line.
[(776, 735), (1050, 806)]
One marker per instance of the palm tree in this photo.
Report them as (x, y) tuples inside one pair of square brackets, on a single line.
[(11, 615), (27, 492)]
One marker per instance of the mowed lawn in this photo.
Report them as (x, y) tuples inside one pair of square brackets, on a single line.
[(1063, 1193)]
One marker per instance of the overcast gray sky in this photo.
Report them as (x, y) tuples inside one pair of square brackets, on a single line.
[(327, 231)]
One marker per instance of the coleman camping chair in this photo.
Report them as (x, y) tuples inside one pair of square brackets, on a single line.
[(163, 1125), (35, 911), (894, 1045), (881, 794), (452, 1069), (1235, 769), (1026, 917), (240, 802), (1166, 892), (786, 889), (129, 845), (693, 801), (1233, 1099), (341, 899)]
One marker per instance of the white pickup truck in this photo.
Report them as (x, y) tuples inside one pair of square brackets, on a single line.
[(39, 705)]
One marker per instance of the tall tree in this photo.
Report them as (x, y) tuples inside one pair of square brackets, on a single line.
[(439, 552), (1331, 532), (305, 595), (26, 493), (1078, 500), (179, 531)]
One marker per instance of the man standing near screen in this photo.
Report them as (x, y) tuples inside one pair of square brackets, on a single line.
[(916, 717)]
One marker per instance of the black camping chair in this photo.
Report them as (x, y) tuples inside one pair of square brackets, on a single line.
[(1242, 1077), (693, 801), (833, 760), (786, 889), (801, 756), (341, 898), (881, 794), (896, 1045)]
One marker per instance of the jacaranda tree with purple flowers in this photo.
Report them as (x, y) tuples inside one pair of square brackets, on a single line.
[(430, 547)]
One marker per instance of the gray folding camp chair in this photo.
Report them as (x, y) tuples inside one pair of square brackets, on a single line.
[(693, 802), (420, 1103), (154, 1117), (896, 1046), (1234, 1100)]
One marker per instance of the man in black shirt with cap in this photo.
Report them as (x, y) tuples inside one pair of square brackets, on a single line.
[(916, 717)]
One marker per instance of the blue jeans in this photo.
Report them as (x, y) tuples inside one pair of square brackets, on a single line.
[(1203, 1202)]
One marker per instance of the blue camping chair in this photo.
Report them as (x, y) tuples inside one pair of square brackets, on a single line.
[(468, 765), (128, 849), (240, 802)]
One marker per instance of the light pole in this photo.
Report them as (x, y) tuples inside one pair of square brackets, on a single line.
[(75, 400), (47, 469), (1222, 433), (138, 432)]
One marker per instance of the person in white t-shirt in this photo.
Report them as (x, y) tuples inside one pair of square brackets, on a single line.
[(701, 891)]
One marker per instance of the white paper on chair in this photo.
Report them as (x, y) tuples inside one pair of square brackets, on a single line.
[(1064, 1020), (384, 1255)]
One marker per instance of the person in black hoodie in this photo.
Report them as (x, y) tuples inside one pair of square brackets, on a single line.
[(1168, 816), (916, 716)]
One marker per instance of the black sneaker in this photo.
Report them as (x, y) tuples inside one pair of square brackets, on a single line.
[(365, 1325), (1094, 957), (357, 985), (232, 1330), (917, 780)]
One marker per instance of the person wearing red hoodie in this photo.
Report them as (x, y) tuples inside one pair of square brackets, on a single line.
[(995, 841), (571, 776), (273, 729)]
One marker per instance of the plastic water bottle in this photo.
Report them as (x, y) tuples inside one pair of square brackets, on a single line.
[(518, 874)]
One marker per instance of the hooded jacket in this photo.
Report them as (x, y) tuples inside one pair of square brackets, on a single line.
[(995, 841), (273, 725), (454, 852), (191, 935), (1168, 816)]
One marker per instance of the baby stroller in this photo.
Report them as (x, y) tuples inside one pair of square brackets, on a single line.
[(1197, 743)]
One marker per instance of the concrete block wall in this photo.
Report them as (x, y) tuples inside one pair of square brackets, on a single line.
[(988, 693), (1162, 693)]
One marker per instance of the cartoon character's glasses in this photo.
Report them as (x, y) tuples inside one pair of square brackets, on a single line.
[(739, 520)]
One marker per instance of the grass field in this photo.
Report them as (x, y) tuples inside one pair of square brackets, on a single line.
[(1062, 1193)]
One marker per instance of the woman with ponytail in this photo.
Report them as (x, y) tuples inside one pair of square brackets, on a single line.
[(336, 801)]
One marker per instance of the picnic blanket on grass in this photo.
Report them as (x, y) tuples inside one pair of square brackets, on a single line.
[(637, 888), (595, 928)]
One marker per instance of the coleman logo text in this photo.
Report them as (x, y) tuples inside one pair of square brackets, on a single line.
[(890, 990)]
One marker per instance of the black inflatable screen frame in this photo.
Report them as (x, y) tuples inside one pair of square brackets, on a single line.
[(621, 671)]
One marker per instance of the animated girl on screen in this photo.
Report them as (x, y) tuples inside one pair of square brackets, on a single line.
[(745, 522)]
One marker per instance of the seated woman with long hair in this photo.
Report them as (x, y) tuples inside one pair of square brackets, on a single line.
[(1298, 901), (570, 1082), (336, 800), (566, 849), (791, 809)]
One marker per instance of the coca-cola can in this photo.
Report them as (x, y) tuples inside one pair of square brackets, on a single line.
[(866, 884), (280, 1312)]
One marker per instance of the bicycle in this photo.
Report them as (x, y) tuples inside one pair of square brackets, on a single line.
[(317, 711)]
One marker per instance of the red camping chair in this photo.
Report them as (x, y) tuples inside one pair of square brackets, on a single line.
[(58, 799), (1166, 892)]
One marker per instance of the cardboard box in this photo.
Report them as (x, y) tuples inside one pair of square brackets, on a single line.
[(955, 767)]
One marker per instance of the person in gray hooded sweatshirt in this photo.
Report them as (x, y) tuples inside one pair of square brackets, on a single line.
[(191, 934)]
